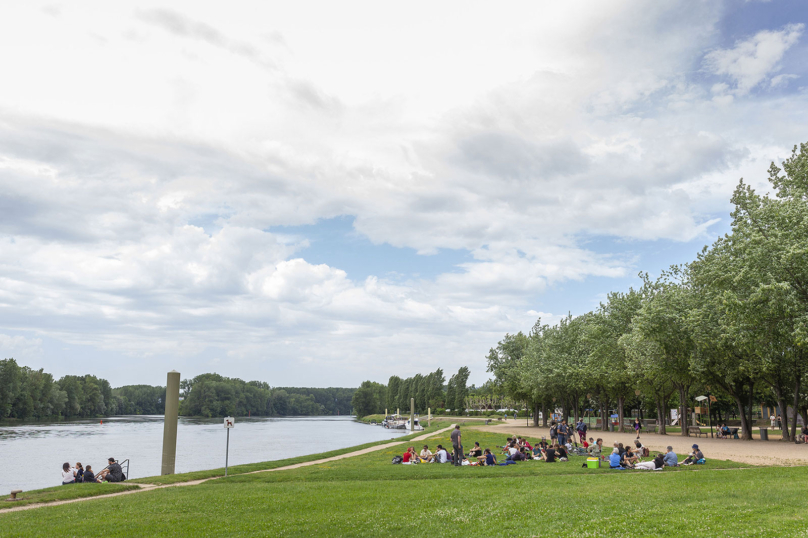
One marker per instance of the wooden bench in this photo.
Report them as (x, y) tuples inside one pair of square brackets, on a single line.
[(695, 430)]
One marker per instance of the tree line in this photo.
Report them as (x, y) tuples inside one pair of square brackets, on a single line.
[(733, 324), (34, 394), (429, 392)]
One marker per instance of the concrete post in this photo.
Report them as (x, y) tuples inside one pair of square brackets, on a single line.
[(170, 422), (412, 414), (429, 416)]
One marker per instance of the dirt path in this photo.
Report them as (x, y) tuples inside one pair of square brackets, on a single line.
[(755, 452), (152, 487)]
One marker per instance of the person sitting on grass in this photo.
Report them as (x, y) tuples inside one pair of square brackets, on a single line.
[(655, 464), (537, 452), (550, 455), (441, 456), (527, 445), (543, 444), (596, 449), (68, 474), (426, 454), (113, 472), (407, 456), (512, 450), (476, 451), (640, 449), (629, 457), (89, 477), (79, 472), (615, 461), (488, 458), (561, 452), (671, 459), (695, 456), (621, 448)]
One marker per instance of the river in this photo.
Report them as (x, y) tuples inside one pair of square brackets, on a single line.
[(32, 454)]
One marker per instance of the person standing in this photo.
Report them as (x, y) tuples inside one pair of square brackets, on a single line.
[(457, 456), (637, 427), (779, 422), (774, 421), (563, 430), (581, 429)]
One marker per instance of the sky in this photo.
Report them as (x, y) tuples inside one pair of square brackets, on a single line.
[(319, 193)]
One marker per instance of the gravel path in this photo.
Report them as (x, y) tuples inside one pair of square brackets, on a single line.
[(755, 452)]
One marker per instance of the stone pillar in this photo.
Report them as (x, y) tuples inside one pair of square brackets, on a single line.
[(170, 422), (412, 414)]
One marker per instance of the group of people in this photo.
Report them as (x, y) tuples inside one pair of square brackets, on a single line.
[(82, 475), (626, 458)]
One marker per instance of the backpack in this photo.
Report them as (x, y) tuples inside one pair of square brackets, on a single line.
[(645, 452), (397, 459), (553, 431)]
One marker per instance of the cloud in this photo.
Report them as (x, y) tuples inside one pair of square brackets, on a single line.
[(25, 350), (141, 200), (752, 61)]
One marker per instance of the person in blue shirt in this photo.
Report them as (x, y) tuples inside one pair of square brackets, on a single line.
[(614, 460), (562, 430), (671, 459)]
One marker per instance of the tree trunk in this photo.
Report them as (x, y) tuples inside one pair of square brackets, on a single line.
[(796, 404), (751, 404), (683, 409), (577, 409), (620, 401), (661, 415), (604, 425), (742, 410), (782, 403), (543, 415), (536, 415)]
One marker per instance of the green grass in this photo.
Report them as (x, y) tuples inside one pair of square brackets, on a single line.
[(61, 493), (367, 496)]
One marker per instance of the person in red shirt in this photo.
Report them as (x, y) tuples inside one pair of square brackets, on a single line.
[(407, 455)]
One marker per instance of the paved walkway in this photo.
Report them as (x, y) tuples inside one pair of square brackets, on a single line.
[(152, 487), (754, 452)]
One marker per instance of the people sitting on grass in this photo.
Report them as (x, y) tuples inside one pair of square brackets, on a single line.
[(426, 455), (489, 458), (621, 448), (527, 445), (696, 456), (671, 459), (68, 474), (441, 456), (409, 456), (550, 455), (543, 444), (537, 452), (511, 450), (79, 472), (113, 472), (655, 464), (89, 477), (629, 457), (562, 453), (615, 461), (475, 451), (640, 450), (595, 448)]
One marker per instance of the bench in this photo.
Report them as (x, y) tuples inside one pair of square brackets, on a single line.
[(695, 430)]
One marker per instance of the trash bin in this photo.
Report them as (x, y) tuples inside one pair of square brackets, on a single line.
[(611, 426), (764, 434)]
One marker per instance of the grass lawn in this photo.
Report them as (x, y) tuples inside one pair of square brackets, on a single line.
[(58, 493), (367, 496)]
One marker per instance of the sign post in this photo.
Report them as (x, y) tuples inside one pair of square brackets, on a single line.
[(229, 422)]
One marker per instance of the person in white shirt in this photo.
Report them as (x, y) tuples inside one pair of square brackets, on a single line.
[(426, 454), (441, 456), (774, 421), (68, 474)]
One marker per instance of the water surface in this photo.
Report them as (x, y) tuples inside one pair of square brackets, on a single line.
[(33, 453)]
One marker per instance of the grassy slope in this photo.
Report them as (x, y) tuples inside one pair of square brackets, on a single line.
[(59, 493), (366, 496)]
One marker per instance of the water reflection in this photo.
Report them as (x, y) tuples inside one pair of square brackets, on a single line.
[(41, 448)]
